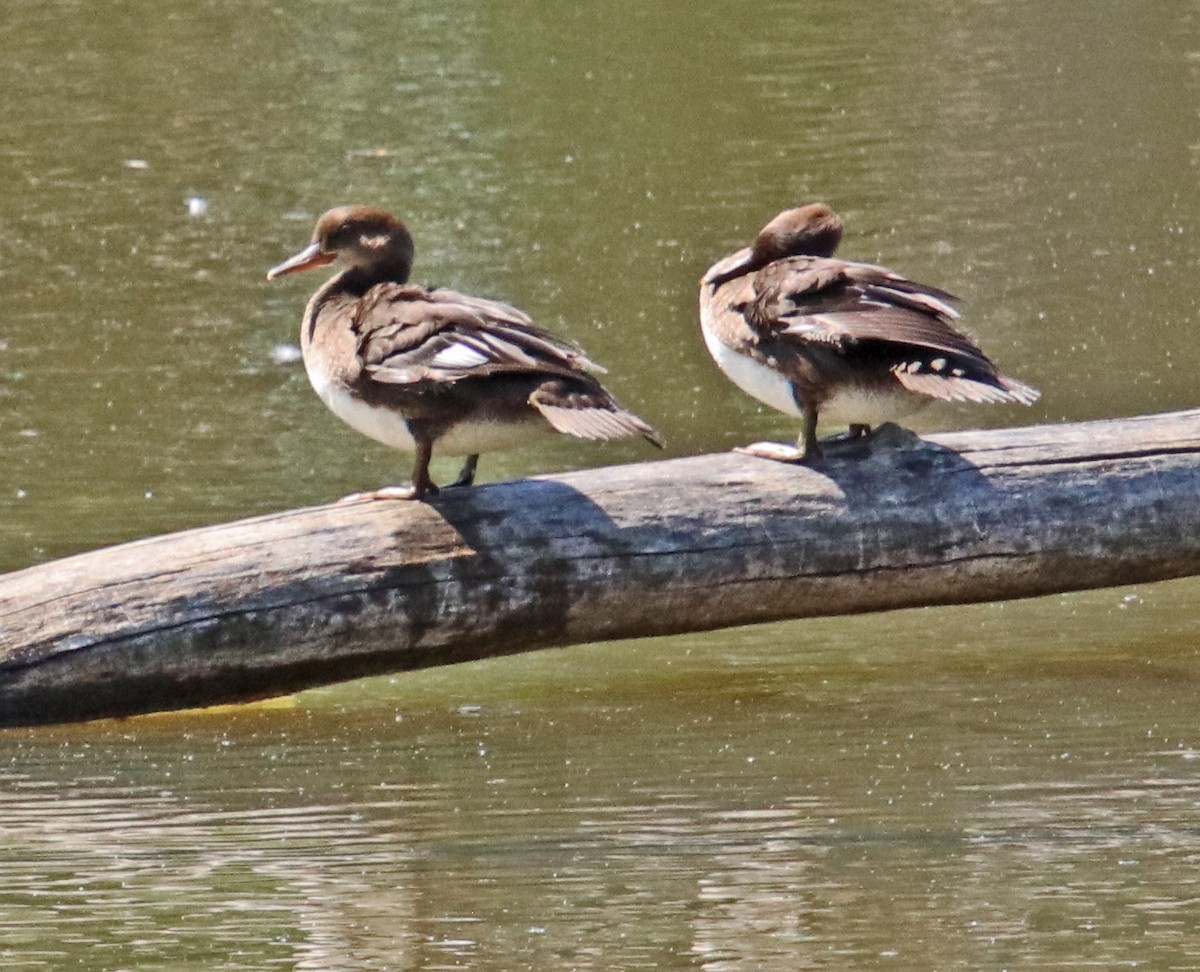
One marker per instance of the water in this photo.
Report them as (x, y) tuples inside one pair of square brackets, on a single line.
[(1001, 786), (831, 798)]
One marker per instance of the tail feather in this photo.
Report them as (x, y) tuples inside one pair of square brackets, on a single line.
[(590, 415), (996, 390), (1019, 391)]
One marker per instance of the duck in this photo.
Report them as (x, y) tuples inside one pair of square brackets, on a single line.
[(431, 370), (819, 337)]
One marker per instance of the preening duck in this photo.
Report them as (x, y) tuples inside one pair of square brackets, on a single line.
[(815, 336)]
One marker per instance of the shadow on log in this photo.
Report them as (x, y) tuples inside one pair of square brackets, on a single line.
[(279, 603)]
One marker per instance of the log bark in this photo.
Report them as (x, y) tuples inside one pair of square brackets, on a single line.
[(279, 603)]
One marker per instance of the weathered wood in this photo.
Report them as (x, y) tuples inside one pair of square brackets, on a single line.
[(283, 602)]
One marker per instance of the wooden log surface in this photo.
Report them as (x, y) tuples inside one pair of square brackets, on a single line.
[(283, 602)]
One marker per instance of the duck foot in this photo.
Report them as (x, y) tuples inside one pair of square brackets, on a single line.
[(855, 433), (409, 492), (863, 440), (778, 452)]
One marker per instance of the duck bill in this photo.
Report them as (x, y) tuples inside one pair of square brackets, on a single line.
[(308, 258)]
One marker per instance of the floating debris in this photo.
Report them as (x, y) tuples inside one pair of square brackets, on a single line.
[(371, 153), (285, 354), (197, 206), (138, 165)]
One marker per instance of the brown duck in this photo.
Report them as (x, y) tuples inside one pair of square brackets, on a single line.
[(426, 370), (812, 335)]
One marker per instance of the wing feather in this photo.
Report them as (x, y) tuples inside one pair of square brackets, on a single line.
[(842, 303), (588, 413), (408, 334)]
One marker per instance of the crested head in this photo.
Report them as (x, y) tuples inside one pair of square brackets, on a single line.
[(367, 238), (812, 230)]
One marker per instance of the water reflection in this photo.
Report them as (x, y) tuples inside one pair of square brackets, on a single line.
[(725, 819)]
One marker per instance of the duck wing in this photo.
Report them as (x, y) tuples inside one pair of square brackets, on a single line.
[(838, 302), (863, 309), (409, 335)]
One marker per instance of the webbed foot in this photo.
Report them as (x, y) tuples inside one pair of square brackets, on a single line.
[(409, 492), (780, 452), (862, 440)]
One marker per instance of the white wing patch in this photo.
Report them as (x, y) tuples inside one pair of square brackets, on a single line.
[(458, 355)]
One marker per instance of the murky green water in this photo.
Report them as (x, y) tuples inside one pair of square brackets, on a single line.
[(1005, 786)]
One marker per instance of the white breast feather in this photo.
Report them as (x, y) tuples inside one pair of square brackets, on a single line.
[(386, 426), (848, 405), (755, 379)]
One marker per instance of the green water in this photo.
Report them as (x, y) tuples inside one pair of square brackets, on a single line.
[(1004, 786)]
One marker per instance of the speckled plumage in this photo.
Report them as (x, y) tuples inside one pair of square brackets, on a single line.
[(812, 335), (423, 369)]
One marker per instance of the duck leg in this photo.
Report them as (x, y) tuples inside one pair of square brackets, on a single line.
[(420, 487), (467, 476), (808, 436), (806, 449)]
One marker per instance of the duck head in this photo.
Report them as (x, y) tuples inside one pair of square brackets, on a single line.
[(365, 238), (812, 230)]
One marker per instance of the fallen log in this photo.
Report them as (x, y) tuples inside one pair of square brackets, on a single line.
[(278, 603)]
